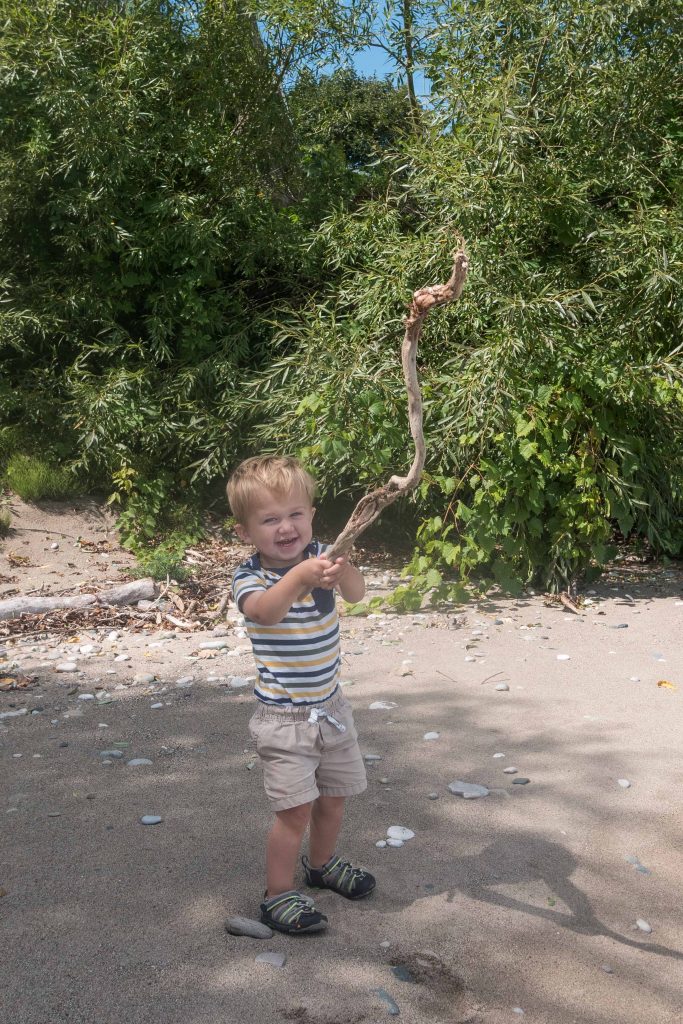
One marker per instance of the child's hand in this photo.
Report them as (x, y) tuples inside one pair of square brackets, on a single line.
[(311, 573), (335, 572)]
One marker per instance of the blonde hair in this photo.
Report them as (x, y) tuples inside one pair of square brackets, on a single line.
[(279, 474)]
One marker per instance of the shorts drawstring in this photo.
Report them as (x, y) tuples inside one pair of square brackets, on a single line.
[(318, 713)]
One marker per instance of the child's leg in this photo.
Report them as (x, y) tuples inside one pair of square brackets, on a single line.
[(282, 849), (327, 813)]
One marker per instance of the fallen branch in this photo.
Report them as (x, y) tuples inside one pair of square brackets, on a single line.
[(370, 507), (128, 593)]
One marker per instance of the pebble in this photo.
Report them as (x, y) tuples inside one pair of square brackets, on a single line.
[(470, 658), (385, 945), (607, 969), (396, 843), (272, 958), (402, 973), (86, 696), (13, 714), (431, 736), (144, 677), (502, 687), (518, 1010), (643, 925), (150, 819), (499, 755), (88, 649), (391, 1005), (66, 666), (624, 783), (384, 781), (510, 771), (158, 704), (432, 796), (54, 546), (382, 705), (563, 657), (246, 926), (380, 844), (468, 790), (138, 761), (400, 832), (372, 757), (122, 657), (213, 645), (520, 781), (239, 682)]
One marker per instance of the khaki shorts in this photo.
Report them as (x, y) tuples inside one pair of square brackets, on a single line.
[(303, 760)]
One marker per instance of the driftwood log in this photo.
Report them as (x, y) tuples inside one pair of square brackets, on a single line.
[(127, 593), (369, 507)]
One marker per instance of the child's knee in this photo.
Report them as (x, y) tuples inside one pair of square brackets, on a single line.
[(296, 817)]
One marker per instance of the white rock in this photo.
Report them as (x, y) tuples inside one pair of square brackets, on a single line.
[(88, 648), (431, 736), (54, 546), (122, 657), (385, 945), (470, 658), (183, 684), (400, 832), (502, 687), (511, 770), (213, 645), (381, 843), (86, 696), (382, 705), (66, 666), (624, 783), (643, 925), (157, 705), (372, 757), (499, 755), (634, 679), (563, 657), (396, 843), (144, 677), (114, 635), (138, 761), (13, 714), (239, 682), (468, 790), (150, 819)]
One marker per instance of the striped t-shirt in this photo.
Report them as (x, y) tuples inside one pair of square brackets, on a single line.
[(298, 658)]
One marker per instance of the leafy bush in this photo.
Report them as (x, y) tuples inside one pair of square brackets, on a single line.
[(165, 560), (33, 478)]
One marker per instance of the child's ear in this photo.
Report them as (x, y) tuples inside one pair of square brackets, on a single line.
[(241, 532), (312, 511)]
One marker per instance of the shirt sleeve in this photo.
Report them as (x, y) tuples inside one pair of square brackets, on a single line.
[(246, 581)]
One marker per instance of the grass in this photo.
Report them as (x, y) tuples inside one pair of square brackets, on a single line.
[(33, 478)]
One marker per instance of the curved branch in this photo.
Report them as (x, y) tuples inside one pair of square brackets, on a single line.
[(370, 507)]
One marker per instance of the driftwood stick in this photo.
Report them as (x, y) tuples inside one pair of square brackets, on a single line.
[(127, 593), (369, 507)]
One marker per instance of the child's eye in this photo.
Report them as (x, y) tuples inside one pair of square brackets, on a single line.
[(269, 522), (296, 515)]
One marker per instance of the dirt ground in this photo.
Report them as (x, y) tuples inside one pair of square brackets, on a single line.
[(519, 905)]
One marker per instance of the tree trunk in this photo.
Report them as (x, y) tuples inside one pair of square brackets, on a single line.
[(128, 593)]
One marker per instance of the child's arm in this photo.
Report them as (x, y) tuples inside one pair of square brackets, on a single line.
[(346, 578), (268, 607)]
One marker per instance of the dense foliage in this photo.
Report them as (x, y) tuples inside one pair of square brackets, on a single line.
[(208, 247)]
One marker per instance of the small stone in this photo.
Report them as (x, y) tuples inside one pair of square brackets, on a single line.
[(382, 705), (158, 704), (54, 546), (384, 781), (499, 755), (54, 814), (246, 926), (502, 687), (396, 843), (87, 648), (563, 657), (86, 696), (634, 679), (150, 819), (138, 762), (510, 770), (272, 958), (380, 844), (239, 682), (144, 677), (624, 783), (114, 635), (213, 645), (385, 945), (520, 781), (116, 754), (400, 832), (402, 973), (468, 790), (66, 666), (607, 969), (13, 714), (643, 925), (518, 1010), (431, 736), (432, 796), (372, 757), (469, 658)]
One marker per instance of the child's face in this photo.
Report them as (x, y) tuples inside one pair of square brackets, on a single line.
[(279, 526)]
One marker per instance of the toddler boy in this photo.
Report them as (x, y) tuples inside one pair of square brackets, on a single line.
[(303, 725)]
